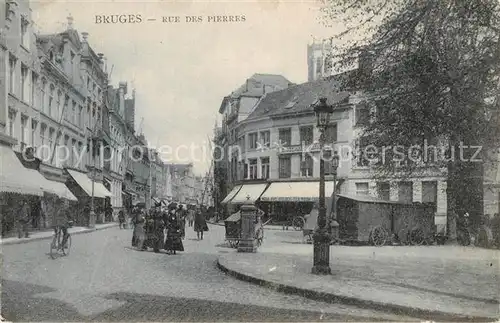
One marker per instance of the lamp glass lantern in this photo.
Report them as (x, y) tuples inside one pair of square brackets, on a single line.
[(323, 113), (335, 160)]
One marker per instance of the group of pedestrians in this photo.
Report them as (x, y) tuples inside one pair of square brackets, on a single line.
[(151, 225)]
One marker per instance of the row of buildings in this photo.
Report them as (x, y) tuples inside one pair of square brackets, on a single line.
[(57, 106), (270, 151)]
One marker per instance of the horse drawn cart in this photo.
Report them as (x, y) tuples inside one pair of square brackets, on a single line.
[(233, 229)]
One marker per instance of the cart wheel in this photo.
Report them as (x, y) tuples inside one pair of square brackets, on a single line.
[(298, 223), (417, 237), (378, 236), (259, 237), (234, 243)]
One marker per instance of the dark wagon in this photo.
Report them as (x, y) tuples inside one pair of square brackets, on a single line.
[(363, 219)]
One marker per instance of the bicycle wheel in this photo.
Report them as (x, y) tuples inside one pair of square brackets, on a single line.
[(378, 236), (298, 223), (54, 247), (417, 237), (67, 246)]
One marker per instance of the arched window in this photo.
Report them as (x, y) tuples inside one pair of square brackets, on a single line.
[(59, 103), (51, 99), (42, 95)]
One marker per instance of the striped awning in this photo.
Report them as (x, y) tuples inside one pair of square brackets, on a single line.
[(14, 177), (231, 194), (85, 183)]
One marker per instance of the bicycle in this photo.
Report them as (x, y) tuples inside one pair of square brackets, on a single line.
[(298, 222), (56, 245)]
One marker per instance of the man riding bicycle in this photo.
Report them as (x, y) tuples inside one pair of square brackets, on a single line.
[(61, 221)]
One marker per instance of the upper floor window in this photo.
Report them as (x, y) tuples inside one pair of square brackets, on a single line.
[(306, 135), (11, 122), (362, 114), (265, 138), (12, 74), (362, 189), (24, 32), (306, 166), (51, 98), (252, 140), (331, 133), (252, 174), (285, 167), (285, 136), (42, 94), (264, 162), (24, 83), (34, 81), (384, 190)]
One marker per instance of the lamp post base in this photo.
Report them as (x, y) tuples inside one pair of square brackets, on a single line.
[(321, 253), (92, 219)]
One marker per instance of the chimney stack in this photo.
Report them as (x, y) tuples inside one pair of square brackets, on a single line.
[(101, 60), (70, 22)]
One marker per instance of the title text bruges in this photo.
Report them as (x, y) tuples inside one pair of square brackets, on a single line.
[(137, 18)]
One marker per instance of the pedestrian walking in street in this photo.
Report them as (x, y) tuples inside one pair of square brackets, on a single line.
[(23, 222), (121, 219), (181, 217), (174, 240), (190, 217), (200, 224), (139, 235)]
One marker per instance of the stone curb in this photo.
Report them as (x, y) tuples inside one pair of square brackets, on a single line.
[(265, 227), (28, 240), (348, 300)]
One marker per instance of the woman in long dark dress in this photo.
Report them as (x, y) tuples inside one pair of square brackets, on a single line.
[(174, 240), (200, 224)]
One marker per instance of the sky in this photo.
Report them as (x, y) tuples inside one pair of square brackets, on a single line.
[(181, 71)]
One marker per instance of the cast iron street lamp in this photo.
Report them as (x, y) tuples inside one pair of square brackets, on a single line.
[(321, 236)]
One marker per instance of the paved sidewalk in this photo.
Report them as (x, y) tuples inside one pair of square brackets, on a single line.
[(433, 282), (40, 235)]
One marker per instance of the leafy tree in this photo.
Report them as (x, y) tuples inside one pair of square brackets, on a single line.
[(430, 70)]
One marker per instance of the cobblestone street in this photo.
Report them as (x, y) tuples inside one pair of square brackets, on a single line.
[(104, 279)]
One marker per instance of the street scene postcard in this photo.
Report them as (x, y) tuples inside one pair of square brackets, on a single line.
[(250, 161)]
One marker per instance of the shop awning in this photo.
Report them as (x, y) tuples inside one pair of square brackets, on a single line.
[(249, 193), (295, 191), (51, 187), (231, 194), (14, 177), (86, 184)]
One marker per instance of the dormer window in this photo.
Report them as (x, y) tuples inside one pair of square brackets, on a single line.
[(292, 103)]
